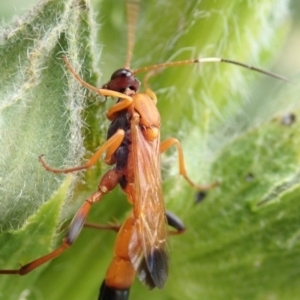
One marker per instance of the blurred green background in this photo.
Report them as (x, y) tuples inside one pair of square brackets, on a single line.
[(288, 58), (287, 64)]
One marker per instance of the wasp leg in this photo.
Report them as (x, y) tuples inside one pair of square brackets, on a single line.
[(113, 226), (120, 273), (174, 222), (165, 145), (111, 145), (108, 182), (112, 112)]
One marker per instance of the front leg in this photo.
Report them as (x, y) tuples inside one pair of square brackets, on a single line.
[(111, 145)]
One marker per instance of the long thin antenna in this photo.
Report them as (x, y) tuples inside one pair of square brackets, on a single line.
[(206, 60), (132, 7)]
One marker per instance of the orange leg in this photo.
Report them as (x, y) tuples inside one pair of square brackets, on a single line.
[(111, 114), (108, 182), (165, 145), (111, 145)]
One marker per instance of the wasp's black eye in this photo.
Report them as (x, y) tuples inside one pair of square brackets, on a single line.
[(121, 73), (121, 80)]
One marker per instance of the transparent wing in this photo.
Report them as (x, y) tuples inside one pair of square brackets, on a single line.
[(148, 253)]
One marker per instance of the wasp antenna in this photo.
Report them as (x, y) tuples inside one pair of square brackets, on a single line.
[(132, 7), (208, 60), (271, 74)]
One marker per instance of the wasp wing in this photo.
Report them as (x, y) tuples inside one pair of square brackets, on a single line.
[(148, 250)]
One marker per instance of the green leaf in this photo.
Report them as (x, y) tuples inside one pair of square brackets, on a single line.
[(40, 107), (242, 241), (31, 241)]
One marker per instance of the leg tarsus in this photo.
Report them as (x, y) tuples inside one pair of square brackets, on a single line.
[(111, 145), (201, 187), (57, 171), (38, 262)]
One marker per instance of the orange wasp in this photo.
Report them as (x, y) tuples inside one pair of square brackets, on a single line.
[(133, 146)]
